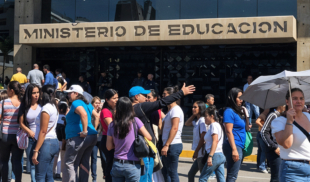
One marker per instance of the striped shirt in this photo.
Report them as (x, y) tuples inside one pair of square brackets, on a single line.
[(10, 124)]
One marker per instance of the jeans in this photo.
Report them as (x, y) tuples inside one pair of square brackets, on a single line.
[(218, 162), (232, 167), (93, 158), (293, 171), (122, 172), (148, 169), (252, 108), (109, 158), (274, 162), (78, 151), (261, 153), (171, 162), (197, 166), (47, 152), (30, 168), (8, 145)]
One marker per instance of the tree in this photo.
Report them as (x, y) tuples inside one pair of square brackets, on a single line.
[(6, 46)]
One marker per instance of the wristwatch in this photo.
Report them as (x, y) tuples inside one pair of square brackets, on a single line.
[(211, 156)]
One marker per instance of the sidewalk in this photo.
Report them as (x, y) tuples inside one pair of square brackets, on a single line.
[(188, 153)]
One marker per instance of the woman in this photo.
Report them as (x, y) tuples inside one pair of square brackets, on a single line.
[(96, 102), (235, 128), (214, 142), (8, 144), (293, 143), (121, 136), (45, 147), (172, 131), (199, 130), (273, 150), (29, 111), (262, 147), (106, 117), (81, 136)]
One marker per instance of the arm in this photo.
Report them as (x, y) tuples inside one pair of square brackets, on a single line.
[(96, 116), (43, 81), (261, 117), (200, 144), (110, 143), (107, 121), (43, 131), (174, 129), (160, 124), (24, 127), (215, 141), (231, 140), (266, 131), (190, 120), (258, 122), (285, 137), (145, 133), (64, 86), (82, 113), (47, 80)]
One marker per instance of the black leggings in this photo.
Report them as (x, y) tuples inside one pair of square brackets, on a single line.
[(109, 155)]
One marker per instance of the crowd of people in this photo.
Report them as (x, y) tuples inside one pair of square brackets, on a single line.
[(137, 139)]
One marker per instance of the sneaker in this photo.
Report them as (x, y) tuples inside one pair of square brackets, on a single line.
[(57, 176), (212, 177), (264, 171)]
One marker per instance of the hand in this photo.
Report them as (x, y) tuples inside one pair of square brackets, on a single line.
[(83, 135), (34, 158), (235, 155), (195, 156), (290, 115), (277, 151), (31, 134), (188, 90), (210, 161), (250, 126), (164, 151)]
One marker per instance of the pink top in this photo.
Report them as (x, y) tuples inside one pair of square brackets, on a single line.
[(105, 113)]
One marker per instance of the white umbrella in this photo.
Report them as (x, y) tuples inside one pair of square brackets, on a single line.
[(269, 91)]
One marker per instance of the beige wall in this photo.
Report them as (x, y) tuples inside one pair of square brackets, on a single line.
[(303, 40), (8, 72)]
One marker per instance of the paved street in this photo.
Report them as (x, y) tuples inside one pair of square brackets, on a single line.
[(248, 173)]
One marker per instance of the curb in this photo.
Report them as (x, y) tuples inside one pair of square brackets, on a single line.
[(190, 153)]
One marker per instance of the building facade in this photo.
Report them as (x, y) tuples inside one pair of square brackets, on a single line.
[(213, 44)]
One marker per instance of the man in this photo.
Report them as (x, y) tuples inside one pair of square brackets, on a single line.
[(149, 83), (36, 76), (21, 78), (138, 81), (144, 110), (49, 77), (250, 107), (105, 83), (83, 83), (209, 98)]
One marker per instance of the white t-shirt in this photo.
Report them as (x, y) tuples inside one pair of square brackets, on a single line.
[(214, 128), (175, 112), (301, 145), (52, 111), (200, 125), (31, 117)]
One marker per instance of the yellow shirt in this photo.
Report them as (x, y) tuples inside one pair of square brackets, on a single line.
[(21, 78)]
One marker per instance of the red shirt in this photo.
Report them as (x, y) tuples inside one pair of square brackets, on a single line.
[(105, 113)]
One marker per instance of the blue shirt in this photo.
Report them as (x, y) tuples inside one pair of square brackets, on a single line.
[(239, 126), (74, 124), (49, 79)]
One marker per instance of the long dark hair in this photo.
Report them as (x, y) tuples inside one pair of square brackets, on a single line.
[(63, 106), (14, 85), (155, 94), (212, 111), (172, 90), (82, 98), (231, 101), (123, 117), (48, 95), (201, 107), (108, 94)]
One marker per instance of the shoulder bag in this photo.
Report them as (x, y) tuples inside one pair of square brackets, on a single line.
[(140, 147), (302, 130)]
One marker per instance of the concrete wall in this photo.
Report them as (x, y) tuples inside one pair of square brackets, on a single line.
[(26, 12), (303, 35)]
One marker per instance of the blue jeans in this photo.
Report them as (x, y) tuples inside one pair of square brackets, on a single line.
[(252, 108), (232, 167), (47, 152), (8, 145), (93, 159), (293, 171), (197, 166), (30, 168), (274, 163), (218, 162), (261, 153), (148, 169), (171, 162), (122, 172)]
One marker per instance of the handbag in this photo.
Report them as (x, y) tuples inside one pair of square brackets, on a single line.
[(248, 146), (141, 149), (22, 139)]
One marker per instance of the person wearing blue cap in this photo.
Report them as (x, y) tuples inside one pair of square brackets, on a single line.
[(144, 110)]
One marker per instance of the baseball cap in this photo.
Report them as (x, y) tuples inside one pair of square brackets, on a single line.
[(138, 90), (75, 88)]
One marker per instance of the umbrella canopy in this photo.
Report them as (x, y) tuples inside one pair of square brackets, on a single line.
[(269, 91)]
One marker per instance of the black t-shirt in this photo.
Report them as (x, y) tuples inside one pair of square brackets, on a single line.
[(60, 131)]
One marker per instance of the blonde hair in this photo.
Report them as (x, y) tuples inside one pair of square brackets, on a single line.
[(94, 100)]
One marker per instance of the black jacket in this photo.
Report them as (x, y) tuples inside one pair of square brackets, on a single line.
[(266, 131), (148, 108)]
